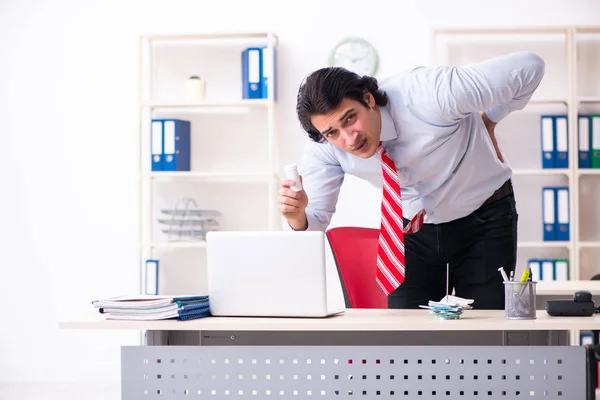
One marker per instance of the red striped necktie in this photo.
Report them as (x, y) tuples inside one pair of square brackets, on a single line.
[(390, 254)]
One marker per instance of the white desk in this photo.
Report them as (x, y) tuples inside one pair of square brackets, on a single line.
[(351, 320), (376, 369)]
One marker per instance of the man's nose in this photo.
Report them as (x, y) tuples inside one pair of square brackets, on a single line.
[(350, 137)]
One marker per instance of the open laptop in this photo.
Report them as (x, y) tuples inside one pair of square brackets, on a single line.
[(272, 274)]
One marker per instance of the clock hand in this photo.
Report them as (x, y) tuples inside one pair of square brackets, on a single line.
[(358, 59)]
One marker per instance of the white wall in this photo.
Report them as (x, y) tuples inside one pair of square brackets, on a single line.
[(68, 124)]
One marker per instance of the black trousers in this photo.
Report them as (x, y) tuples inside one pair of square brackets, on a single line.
[(474, 247)]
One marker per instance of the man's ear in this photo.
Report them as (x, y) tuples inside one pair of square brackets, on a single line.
[(369, 99)]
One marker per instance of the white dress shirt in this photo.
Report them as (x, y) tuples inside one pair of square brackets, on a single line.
[(432, 130)]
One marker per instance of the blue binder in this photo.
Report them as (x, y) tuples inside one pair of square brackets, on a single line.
[(252, 72), (536, 269), (151, 281), (549, 213), (584, 136), (561, 142), (547, 136), (269, 73), (156, 145), (562, 213), (547, 270), (586, 338), (176, 145)]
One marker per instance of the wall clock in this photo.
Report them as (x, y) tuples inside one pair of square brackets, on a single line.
[(356, 55)]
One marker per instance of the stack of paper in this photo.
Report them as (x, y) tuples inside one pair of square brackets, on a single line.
[(151, 307), (450, 307)]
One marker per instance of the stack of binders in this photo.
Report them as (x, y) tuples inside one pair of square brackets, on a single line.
[(170, 145), (589, 141), (147, 307), (555, 213), (545, 270), (258, 72)]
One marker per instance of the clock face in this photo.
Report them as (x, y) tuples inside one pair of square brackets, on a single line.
[(356, 55)]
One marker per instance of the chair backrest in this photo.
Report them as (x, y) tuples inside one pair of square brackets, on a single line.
[(355, 253)]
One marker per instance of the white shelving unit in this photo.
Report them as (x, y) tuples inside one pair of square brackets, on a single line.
[(234, 147), (571, 86)]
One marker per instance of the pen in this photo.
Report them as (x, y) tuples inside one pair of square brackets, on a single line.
[(504, 277), (512, 275)]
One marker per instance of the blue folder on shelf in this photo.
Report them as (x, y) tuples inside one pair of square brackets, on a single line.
[(269, 72), (151, 279), (252, 73), (547, 136), (561, 142), (562, 213), (549, 213), (156, 144), (536, 269), (175, 144)]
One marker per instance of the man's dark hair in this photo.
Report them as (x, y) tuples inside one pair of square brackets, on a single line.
[(324, 90)]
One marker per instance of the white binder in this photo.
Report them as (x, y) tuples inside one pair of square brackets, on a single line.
[(548, 214), (562, 143), (536, 270), (547, 270), (548, 142), (561, 270)]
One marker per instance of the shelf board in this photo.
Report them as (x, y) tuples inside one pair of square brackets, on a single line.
[(199, 244), (234, 36), (588, 244), (548, 244), (548, 100), (541, 171), (587, 29), (212, 106), (567, 287), (231, 177), (589, 171), (501, 31), (589, 99)]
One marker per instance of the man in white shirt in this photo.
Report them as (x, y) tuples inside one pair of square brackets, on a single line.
[(437, 125)]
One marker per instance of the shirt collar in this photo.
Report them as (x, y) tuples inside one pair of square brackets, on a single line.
[(388, 130)]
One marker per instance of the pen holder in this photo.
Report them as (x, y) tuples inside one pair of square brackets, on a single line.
[(519, 300)]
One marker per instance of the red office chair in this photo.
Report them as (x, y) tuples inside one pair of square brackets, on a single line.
[(355, 253)]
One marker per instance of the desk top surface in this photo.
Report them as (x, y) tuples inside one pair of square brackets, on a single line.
[(350, 320)]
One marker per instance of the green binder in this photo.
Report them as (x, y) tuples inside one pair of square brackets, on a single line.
[(561, 270), (595, 140)]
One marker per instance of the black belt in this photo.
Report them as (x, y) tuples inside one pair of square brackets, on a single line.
[(505, 190)]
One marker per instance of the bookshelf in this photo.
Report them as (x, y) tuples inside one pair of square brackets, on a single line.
[(571, 86), (234, 152), (571, 54)]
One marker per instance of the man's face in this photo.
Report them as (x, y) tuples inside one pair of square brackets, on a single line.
[(352, 127)]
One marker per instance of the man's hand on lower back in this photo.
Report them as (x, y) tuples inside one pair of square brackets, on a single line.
[(490, 126)]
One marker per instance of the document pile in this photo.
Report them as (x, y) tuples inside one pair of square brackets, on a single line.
[(151, 307), (450, 307)]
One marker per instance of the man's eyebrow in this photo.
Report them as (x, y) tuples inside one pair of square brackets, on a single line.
[(343, 117)]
